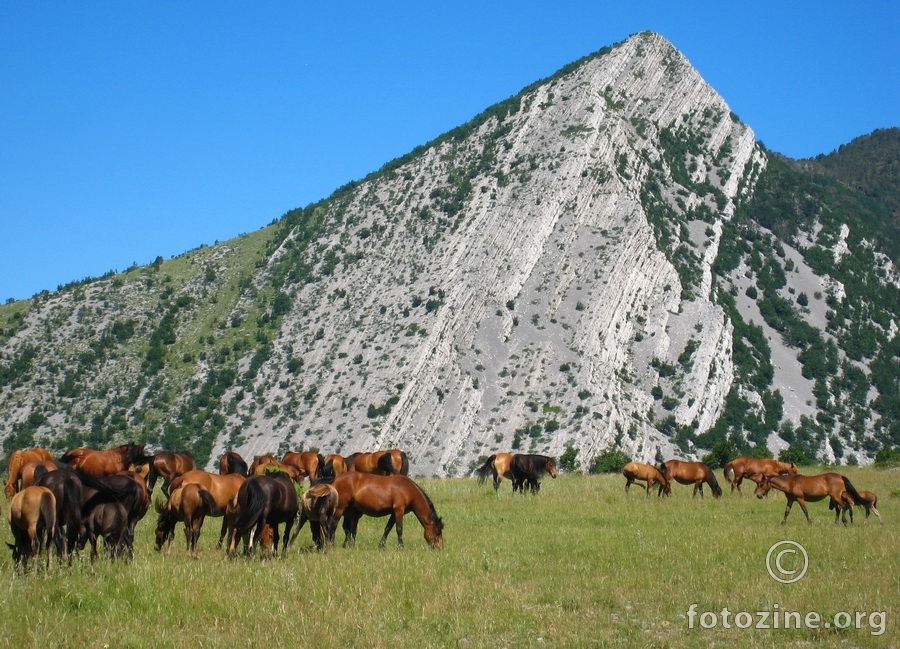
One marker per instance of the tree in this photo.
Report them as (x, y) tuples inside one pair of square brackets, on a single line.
[(612, 460), (568, 460)]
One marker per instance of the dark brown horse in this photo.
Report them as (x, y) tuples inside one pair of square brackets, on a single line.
[(109, 521), (17, 460), (108, 462), (169, 465), (232, 462), (497, 465), (309, 463), (747, 467), (695, 473), (317, 506), (31, 471), (529, 469), (224, 489), (868, 501), (264, 500), (636, 471), (802, 488), (67, 489), (393, 496), (390, 462), (32, 520), (127, 488), (191, 503)]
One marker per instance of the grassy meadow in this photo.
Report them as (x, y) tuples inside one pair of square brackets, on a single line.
[(579, 565)]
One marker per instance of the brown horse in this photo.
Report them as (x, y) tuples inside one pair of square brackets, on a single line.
[(800, 488), (869, 500), (746, 467), (128, 488), (232, 462), (190, 503), (17, 460), (695, 473), (499, 466), (317, 506), (268, 458), (169, 465), (309, 463), (393, 496), (32, 520), (33, 470), (109, 521), (223, 488), (335, 465), (274, 466), (390, 462), (527, 468), (108, 462), (634, 471), (68, 491), (264, 500)]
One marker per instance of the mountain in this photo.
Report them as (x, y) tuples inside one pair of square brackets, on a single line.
[(606, 260)]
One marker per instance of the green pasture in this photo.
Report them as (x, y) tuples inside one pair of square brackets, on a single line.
[(579, 565)]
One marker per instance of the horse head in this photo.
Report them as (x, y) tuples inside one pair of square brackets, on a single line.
[(550, 467), (763, 487), (434, 533)]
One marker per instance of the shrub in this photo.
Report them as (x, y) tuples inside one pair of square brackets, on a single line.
[(612, 460)]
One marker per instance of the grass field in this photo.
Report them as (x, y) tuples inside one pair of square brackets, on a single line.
[(579, 565)]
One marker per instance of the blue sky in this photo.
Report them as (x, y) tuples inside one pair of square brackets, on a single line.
[(130, 130)]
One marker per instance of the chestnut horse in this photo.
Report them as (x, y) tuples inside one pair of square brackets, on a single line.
[(33, 470), (264, 500), (223, 488), (268, 458), (317, 506), (376, 495), (335, 465), (869, 500), (800, 488), (169, 465), (390, 462), (309, 463), (17, 460), (499, 466), (267, 466), (108, 462), (232, 462), (695, 473), (190, 503), (634, 471), (746, 467), (32, 520)]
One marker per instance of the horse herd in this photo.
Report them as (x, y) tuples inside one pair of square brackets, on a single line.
[(91, 494)]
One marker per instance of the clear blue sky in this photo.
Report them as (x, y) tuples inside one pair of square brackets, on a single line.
[(130, 129)]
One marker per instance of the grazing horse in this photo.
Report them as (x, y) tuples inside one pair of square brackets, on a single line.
[(335, 465), (32, 520), (498, 465), (169, 465), (232, 462), (274, 466), (695, 473), (268, 458), (17, 460), (393, 496), (634, 471), (530, 468), (224, 489), (108, 520), (190, 503), (127, 488), (67, 489), (317, 506), (390, 462), (800, 488), (747, 467), (261, 500), (309, 463), (108, 462), (869, 500)]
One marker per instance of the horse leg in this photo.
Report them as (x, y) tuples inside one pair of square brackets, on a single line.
[(874, 511), (387, 530), (628, 482), (805, 511), (787, 510)]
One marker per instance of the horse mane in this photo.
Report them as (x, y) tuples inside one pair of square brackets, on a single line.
[(432, 515)]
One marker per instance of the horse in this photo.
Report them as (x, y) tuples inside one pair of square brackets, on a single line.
[(169, 465), (67, 489), (695, 473), (268, 458), (31, 471), (128, 488), (223, 488), (498, 465), (264, 499), (393, 496), (390, 462), (17, 460), (190, 503), (647, 473), (108, 520), (108, 462), (530, 468), (309, 463), (275, 466), (800, 488), (869, 500), (317, 506), (335, 465), (32, 520), (232, 462), (746, 467)]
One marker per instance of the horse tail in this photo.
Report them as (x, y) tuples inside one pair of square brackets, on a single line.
[(404, 463), (485, 469), (728, 471), (664, 470), (385, 464), (320, 465), (850, 489), (48, 515), (250, 513), (209, 502)]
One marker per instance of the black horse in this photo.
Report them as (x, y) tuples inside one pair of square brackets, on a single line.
[(67, 488), (529, 469), (264, 500)]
